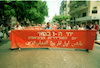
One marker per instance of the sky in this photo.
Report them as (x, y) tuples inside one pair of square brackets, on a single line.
[(53, 8)]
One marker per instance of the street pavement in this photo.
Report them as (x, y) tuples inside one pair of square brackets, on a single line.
[(48, 58), (98, 38)]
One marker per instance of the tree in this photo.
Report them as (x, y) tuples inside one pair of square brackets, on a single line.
[(38, 11), (61, 18), (6, 11), (32, 10)]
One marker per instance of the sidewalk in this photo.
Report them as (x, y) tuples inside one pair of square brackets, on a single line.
[(98, 38), (98, 42)]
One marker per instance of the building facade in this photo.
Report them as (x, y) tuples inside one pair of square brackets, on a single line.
[(84, 11), (64, 9)]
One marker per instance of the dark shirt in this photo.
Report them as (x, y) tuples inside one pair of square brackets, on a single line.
[(64, 27), (9, 28), (58, 28), (47, 27), (88, 27)]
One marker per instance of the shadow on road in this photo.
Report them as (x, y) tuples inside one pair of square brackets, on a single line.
[(80, 50), (4, 41), (46, 49)]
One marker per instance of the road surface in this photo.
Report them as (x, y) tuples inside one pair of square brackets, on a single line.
[(48, 58)]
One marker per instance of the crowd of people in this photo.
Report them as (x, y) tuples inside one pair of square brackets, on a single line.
[(90, 26), (80, 27), (7, 30)]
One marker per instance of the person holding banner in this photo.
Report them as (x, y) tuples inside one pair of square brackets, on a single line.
[(74, 27), (48, 26), (64, 26), (77, 26), (96, 28), (68, 27), (90, 26), (17, 26), (81, 27)]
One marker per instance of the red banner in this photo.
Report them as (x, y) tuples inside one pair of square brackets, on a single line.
[(80, 39)]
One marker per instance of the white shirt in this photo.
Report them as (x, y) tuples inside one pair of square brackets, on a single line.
[(68, 27), (80, 28), (18, 28)]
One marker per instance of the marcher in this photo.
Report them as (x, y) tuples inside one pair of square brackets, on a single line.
[(74, 27), (68, 27), (58, 26), (48, 26), (17, 26), (96, 28), (64, 26), (77, 26), (90, 26), (61, 27), (84, 26), (81, 27)]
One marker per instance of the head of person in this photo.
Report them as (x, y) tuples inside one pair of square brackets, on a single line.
[(96, 23), (89, 23), (58, 25), (80, 25), (17, 23), (48, 24), (61, 27), (40, 25)]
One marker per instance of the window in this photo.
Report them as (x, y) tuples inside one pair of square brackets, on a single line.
[(84, 14), (94, 11), (94, 7)]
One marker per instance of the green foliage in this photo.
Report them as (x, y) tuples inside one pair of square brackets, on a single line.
[(61, 18), (9, 11), (38, 12), (32, 10)]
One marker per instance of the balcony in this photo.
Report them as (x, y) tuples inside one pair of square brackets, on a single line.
[(84, 18), (78, 7), (71, 3), (94, 17)]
